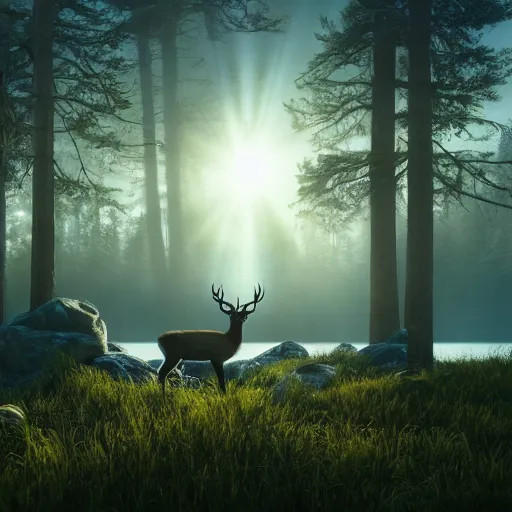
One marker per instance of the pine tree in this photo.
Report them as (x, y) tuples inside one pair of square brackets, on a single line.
[(11, 130), (84, 88), (43, 229), (419, 283), (464, 74), (384, 310)]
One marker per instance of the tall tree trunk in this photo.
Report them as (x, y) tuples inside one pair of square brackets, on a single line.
[(420, 232), (153, 212), (384, 307), (172, 129), (3, 213), (4, 141), (43, 234)]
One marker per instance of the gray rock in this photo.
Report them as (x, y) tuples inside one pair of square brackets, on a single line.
[(345, 347), (198, 369), (114, 347), (401, 337), (126, 367), (24, 352), (155, 363), (316, 375), (239, 369), (386, 355), (176, 378), (232, 369), (65, 315), (285, 350), (34, 340)]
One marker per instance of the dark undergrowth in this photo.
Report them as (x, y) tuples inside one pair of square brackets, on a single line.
[(371, 442)]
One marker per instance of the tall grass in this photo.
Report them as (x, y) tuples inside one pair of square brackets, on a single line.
[(371, 441)]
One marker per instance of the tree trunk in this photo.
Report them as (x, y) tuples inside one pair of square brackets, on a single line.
[(43, 235), (420, 233), (4, 141), (153, 212), (384, 308), (3, 213), (172, 149)]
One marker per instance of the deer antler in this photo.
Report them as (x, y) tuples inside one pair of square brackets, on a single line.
[(258, 297), (219, 299)]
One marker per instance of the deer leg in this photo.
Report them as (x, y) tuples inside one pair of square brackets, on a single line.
[(219, 370), (167, 366)]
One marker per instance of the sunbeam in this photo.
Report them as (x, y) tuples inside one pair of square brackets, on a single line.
[(250, 170)]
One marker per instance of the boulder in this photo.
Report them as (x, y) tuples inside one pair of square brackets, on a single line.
[(65, 315), (239, 369), (285, 350), (25, 352), (34, 340), (315, 375), (114, 347), (232, 369), (198, 369), (345, 347), (386, 355), (401, 337), (126, 367), (155, 363)]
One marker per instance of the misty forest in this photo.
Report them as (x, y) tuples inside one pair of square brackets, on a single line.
[(352, 157), (216, 144)]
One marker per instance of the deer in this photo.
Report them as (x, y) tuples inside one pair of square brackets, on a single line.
[(202, 345)]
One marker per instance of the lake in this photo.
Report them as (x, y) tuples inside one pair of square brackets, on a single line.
[(150, 350)]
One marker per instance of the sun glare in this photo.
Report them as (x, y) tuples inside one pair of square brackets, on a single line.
[(248, 182), (249, 173)]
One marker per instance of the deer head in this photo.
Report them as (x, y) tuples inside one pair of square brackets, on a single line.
[(238, 314)]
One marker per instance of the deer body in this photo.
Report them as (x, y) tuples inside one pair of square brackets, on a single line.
[(214, 346), (199, 345)]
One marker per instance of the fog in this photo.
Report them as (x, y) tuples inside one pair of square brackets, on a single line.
[(239, 166)]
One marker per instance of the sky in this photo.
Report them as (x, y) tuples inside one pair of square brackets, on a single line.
[(267, 65)]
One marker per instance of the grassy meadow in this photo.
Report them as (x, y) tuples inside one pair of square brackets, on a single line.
[(371, 442)]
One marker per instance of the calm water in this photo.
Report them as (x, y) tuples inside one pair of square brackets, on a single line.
[(150, 350)]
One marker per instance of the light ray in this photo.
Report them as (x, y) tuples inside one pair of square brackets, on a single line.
[(249, 162)]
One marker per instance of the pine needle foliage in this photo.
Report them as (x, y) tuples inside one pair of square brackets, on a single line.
[(337, 107)]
